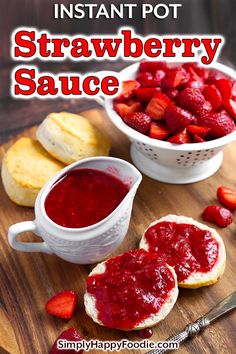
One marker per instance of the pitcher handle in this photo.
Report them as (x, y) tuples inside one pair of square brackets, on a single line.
[(20, 228)]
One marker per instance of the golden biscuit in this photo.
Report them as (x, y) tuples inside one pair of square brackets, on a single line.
[(70, 137), (26, 168)]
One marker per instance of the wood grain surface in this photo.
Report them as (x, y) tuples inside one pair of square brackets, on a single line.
[(28, 280)]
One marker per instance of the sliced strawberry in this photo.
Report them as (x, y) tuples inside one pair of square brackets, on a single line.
[(230, 106), (71, 335), (157, 105), (175, 77), (152, 66), (199, 131), (198, 139), (127, 89), (148, 79), (219, 123), (227, 196), (177, 118), (189, 68), (159, 131), (225, 88), (212, 94), (145, 94), (123, 109), (138, 121), (182, 137), (218, 215), (191, 99), (63, 304), (196, 70)]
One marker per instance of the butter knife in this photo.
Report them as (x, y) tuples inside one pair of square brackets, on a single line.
[(223, 307)]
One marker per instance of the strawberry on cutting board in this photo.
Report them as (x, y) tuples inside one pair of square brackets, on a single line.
[(71, 335), (63, 304), (218, 215), (227, 196)]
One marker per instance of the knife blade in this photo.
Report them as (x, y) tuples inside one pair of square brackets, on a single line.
[(223, 307)]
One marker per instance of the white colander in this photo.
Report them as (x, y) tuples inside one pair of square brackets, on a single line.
[(167, 162)]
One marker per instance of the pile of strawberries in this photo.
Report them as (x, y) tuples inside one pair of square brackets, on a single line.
[(183, 104)]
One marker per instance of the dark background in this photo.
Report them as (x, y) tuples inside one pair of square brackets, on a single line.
[(195, 16)]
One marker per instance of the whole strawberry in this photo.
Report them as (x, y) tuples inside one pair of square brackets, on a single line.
[(218, 215), (220, 123), (177, 118), (203, 110), (191, 99), (138, 121), (71, 335)]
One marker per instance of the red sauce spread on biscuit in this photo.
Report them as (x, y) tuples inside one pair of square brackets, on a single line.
[(184, 246), (134, 286), (84, 197)]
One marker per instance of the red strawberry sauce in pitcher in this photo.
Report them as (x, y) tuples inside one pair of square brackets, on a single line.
[(84, 197)]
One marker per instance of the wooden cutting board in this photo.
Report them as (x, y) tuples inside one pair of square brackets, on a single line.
[(28, 280)]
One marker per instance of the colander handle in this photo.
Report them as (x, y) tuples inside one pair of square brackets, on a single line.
[(98, 99)]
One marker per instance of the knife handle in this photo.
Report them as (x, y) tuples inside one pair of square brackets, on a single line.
[(190, 331)]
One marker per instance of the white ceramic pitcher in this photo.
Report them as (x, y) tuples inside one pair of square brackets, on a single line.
[(87, 244)]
